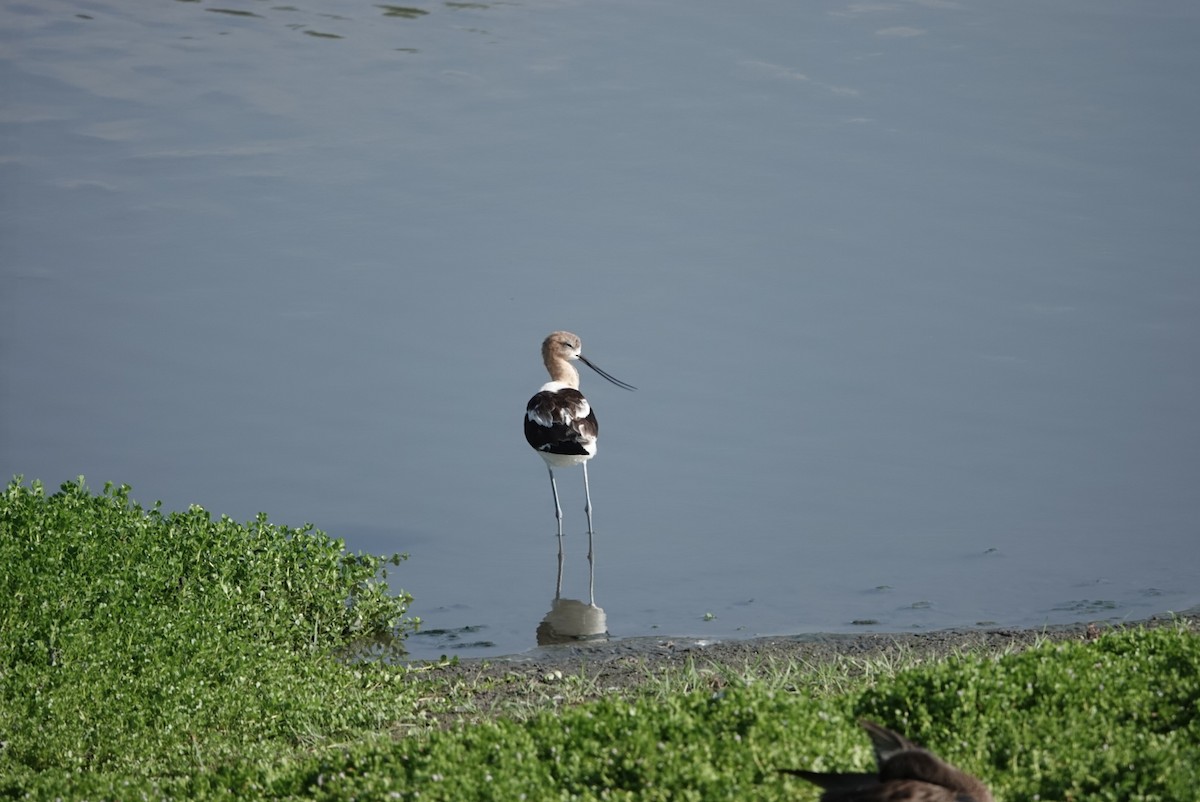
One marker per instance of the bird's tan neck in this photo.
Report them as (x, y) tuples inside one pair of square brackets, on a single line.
[(561, 370)]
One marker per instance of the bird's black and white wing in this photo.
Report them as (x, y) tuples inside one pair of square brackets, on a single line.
[(561, 422)]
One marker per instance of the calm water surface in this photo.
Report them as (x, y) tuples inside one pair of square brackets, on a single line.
[(909, 290)]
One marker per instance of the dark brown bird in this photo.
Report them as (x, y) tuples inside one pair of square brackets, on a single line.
[(907, 773)]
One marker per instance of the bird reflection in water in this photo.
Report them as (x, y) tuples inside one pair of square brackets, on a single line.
[(572, 620)]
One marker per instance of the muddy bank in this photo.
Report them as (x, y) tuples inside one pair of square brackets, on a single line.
[(614, 666)]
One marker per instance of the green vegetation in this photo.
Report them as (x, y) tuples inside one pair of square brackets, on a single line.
[(174, 652), (154, 655)]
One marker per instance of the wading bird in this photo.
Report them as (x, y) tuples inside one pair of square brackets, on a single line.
[(906, 772), (561, 427)]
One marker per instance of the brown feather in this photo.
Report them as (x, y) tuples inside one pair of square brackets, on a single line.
[(907, 773)]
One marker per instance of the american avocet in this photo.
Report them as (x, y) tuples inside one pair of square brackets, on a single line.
[(906, 771), (562, 428)]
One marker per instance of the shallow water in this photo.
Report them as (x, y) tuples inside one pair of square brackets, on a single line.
[(908, 289)]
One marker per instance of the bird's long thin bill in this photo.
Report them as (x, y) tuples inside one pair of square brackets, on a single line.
[(612, 379)]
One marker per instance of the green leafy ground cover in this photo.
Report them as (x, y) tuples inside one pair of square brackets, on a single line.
[(154, 655)]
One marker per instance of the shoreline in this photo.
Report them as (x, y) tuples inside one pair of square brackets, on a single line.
[(615, 667)]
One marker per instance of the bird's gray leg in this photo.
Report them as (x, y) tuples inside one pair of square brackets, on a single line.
[(587, 507), (558, 516)]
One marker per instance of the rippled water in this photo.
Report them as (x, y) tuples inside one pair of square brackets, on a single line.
[(909, 290)]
